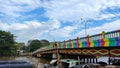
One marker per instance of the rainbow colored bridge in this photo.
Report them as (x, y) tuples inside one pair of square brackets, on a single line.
[(103, 44)]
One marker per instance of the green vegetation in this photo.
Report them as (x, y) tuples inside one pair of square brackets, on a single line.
[(36, 44), (7, 44)]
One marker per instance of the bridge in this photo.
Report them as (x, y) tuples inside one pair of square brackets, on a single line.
[(103, 44)]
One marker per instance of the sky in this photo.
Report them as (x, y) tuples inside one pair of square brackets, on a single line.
[(58, 20)]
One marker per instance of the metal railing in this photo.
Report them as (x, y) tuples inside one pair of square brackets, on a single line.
[(112, 34)]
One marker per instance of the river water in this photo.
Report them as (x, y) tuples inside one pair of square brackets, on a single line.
[(39, 62)]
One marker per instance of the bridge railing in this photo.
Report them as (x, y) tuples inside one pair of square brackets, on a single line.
[(112, 34), (43, 49), (99, 40)]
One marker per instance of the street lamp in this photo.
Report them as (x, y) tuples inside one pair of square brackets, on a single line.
[(85, 23)]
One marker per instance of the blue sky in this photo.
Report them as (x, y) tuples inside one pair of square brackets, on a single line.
[(58, 20)]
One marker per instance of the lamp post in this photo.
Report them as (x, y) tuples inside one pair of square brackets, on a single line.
[(85, 24)]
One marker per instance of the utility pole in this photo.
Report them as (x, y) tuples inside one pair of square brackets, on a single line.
[(85, 27), (85, 24)]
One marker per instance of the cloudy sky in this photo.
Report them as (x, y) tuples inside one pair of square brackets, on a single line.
[(58, 20)]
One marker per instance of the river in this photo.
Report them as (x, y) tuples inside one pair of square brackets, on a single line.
[(39, 62)]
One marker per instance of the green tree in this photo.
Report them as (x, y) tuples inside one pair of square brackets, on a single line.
[(34, 45), (44, 43), (7, 47)]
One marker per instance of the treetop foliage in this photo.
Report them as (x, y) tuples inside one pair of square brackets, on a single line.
[(7, 46)]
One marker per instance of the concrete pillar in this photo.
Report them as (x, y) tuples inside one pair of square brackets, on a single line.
[(87, 60), (90, 60), (93, 60), (96, 60)]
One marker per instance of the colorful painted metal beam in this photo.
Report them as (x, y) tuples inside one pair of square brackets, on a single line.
[(109, 39)]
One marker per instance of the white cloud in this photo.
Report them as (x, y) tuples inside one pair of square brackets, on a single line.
[(68, 32), (30, 29), (51, 29), (62, 10), (105, 16), (73, 10), (56, 11), (62, 32), (110, 3), (110, 26), (3, 26), (14, 8)]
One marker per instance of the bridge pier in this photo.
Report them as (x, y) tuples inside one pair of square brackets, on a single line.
[(96, 60), (93, 60)]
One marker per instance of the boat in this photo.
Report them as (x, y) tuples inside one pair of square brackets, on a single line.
[(65, 63), (15, 64)]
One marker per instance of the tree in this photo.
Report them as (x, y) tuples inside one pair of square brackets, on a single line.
[(34, 45), (7, 47), (44, 43)]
